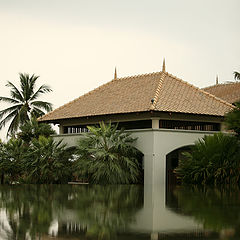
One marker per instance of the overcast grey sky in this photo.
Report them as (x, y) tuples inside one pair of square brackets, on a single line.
[(74, 45)]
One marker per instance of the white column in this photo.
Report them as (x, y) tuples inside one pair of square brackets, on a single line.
[(61, 129), (155, 123)]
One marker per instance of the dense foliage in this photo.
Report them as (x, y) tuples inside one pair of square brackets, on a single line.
[(233, 120), (106, 156), (48, 161), (24, 103), (32, 129), (213, 160), (34, 157)]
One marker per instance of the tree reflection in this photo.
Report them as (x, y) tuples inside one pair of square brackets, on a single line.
[(217, 209), (100, 212)]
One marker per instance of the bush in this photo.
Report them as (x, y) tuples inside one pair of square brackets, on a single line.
[(233, 120), (213, 160), (106, 156), (48, 161)]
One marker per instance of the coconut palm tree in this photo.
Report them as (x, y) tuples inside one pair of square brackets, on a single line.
[(24, 101), (236, 75)]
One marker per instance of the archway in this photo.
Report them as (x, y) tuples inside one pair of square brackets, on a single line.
[(172, 161)]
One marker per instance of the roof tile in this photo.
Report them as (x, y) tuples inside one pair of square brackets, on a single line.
[(134, 94)]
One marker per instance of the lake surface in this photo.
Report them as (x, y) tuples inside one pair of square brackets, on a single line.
[(118, 212)]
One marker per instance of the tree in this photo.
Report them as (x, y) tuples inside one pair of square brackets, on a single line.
[(33, 129), (24, 101), (48, 161), (236, 75), (232, 119), (12, 154), (213, 160), (107, 156)]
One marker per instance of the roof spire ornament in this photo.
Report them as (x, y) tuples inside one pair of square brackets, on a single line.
[(115, 74), (163, 66), (217, 80)]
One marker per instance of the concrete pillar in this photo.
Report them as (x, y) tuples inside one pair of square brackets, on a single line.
[(61, 129), (223, 127), (154, 236), (155, 123)]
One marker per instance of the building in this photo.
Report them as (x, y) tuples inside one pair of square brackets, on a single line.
[(164, 112), (229, 92)]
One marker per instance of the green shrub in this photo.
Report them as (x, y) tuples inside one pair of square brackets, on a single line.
[(213, 160), (106, 156), (48, 161)]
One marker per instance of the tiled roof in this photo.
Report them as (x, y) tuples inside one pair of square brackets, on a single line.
[(134, 94), (229, 92)]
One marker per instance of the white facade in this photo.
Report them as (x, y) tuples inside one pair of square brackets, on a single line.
[(155, 144)]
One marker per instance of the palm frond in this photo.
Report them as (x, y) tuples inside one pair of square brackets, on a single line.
[(42, 105), (13, 125), (27, 85), (15, 93), (236, 75), (8, 118), (36, 112), (9, 100), (10, 109), (42, 89), (32, 82)]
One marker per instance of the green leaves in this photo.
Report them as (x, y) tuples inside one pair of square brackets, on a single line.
[(213, 160), (42, 160), (33, 129), (233, 120), (48, 161), (236, 75), (24, 101), (106, 156)]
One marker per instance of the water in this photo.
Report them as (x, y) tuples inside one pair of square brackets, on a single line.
[(118, 212)]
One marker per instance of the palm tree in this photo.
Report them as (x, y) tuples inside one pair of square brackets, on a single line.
[(214, 159), (48, 161), (33, 129), (236, 75), (107, 156), (24, 103)]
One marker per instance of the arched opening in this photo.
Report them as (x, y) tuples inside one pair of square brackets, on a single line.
[(172, 160)]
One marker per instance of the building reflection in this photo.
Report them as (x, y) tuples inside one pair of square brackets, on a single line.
[(118, 212)]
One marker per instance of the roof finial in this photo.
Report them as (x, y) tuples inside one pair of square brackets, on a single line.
[(163, 66), (115, 74), (217, 80)]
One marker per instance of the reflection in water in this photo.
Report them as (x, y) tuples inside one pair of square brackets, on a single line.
[(118, 212), (89, 211), (217, 209)]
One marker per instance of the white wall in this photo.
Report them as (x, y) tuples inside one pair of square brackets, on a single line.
[(155, 145)]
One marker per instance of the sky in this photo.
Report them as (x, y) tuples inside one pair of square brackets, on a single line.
[(74, 45)]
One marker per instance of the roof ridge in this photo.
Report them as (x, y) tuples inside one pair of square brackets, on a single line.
[(222, 84), (95, 89), (139, 75), (199, 89), (157, 93)]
